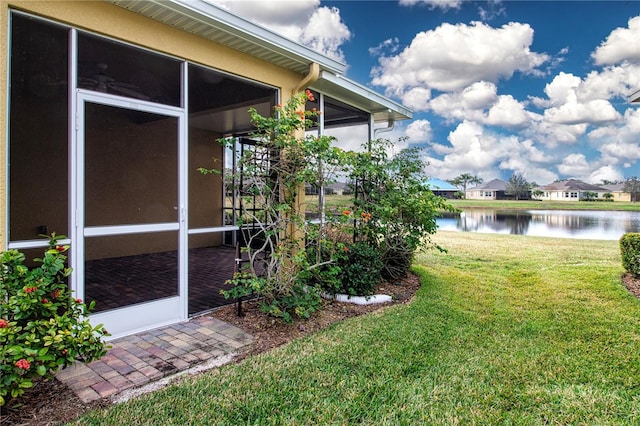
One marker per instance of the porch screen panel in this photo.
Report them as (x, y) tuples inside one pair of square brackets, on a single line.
[(131, 168), (108, 66), (38, 129), (116, 276)]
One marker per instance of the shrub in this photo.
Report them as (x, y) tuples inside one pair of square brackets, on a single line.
[(42, 327), (397, 256), (630, 251), (397, 211), (360, 270)]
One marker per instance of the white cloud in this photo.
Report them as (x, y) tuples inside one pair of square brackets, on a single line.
[(474, 149), (452, 57), (604, 173), (575, 165), (481, 103), (304, 21), (493, 9), (480, 95), (507, 112), (627, 151), (551, 135), (282, 12), (325, 32), (593, 112), (615, 81), (417, 98), (470, 104), (419, 131), (562, 89), (390, 45), (441, 4), (623, 44)]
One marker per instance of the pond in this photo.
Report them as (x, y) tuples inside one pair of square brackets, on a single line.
[(594, 225)]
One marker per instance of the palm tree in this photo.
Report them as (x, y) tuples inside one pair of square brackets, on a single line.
[(465, 179)]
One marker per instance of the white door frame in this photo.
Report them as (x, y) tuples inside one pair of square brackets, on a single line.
[(143, 316)]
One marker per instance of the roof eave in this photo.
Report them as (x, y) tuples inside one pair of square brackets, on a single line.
[(215, 23), (352, 93)]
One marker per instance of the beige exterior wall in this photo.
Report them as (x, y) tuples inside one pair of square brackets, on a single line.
[(113, 21), (560, 196), (621, 196), (480, 195)]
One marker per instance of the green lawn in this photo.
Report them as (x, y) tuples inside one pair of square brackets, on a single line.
[(505, 330)]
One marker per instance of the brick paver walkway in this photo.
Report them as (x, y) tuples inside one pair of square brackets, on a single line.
[(143, 358)]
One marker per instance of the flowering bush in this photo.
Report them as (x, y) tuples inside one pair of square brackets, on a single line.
[(42, 327), (398, 211), (275, 240)]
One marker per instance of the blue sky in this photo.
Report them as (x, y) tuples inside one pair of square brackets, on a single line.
[(497, 87)]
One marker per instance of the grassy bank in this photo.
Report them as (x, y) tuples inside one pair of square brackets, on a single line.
[(505, 330), (545, 205)]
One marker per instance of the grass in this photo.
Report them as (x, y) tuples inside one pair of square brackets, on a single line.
[(505, 330)]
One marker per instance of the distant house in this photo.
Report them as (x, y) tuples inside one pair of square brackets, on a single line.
[(570, 190), (617, 192), (492, 190), (442, 188)]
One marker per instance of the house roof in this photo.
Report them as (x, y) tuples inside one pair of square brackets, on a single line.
[(617, 187), (440, 185), (492, 185), (572, 185), (217, 24)]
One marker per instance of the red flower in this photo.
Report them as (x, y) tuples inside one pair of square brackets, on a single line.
[(23, 364), (300, 113), (3, 323), (309, 95), (79, 300), (345, 248), (56, 293), (45, 300), (61, 248), (30, 289), (365, 216), (64, 352), (346, 212)]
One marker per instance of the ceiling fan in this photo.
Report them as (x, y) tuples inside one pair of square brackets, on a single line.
[(102, 82)]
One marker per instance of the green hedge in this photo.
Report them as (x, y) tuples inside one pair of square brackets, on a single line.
[(630, 250)]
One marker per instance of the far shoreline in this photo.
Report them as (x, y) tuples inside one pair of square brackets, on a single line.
[(545, 205)]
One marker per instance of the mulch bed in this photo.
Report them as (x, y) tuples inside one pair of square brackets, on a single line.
[(52, 402), (632, 283)]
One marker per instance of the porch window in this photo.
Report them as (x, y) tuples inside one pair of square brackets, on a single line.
[(38, 129)]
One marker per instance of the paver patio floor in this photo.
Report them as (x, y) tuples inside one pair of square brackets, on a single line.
[(140, 359)]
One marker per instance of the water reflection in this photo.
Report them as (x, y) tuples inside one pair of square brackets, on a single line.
[(598, 225)]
